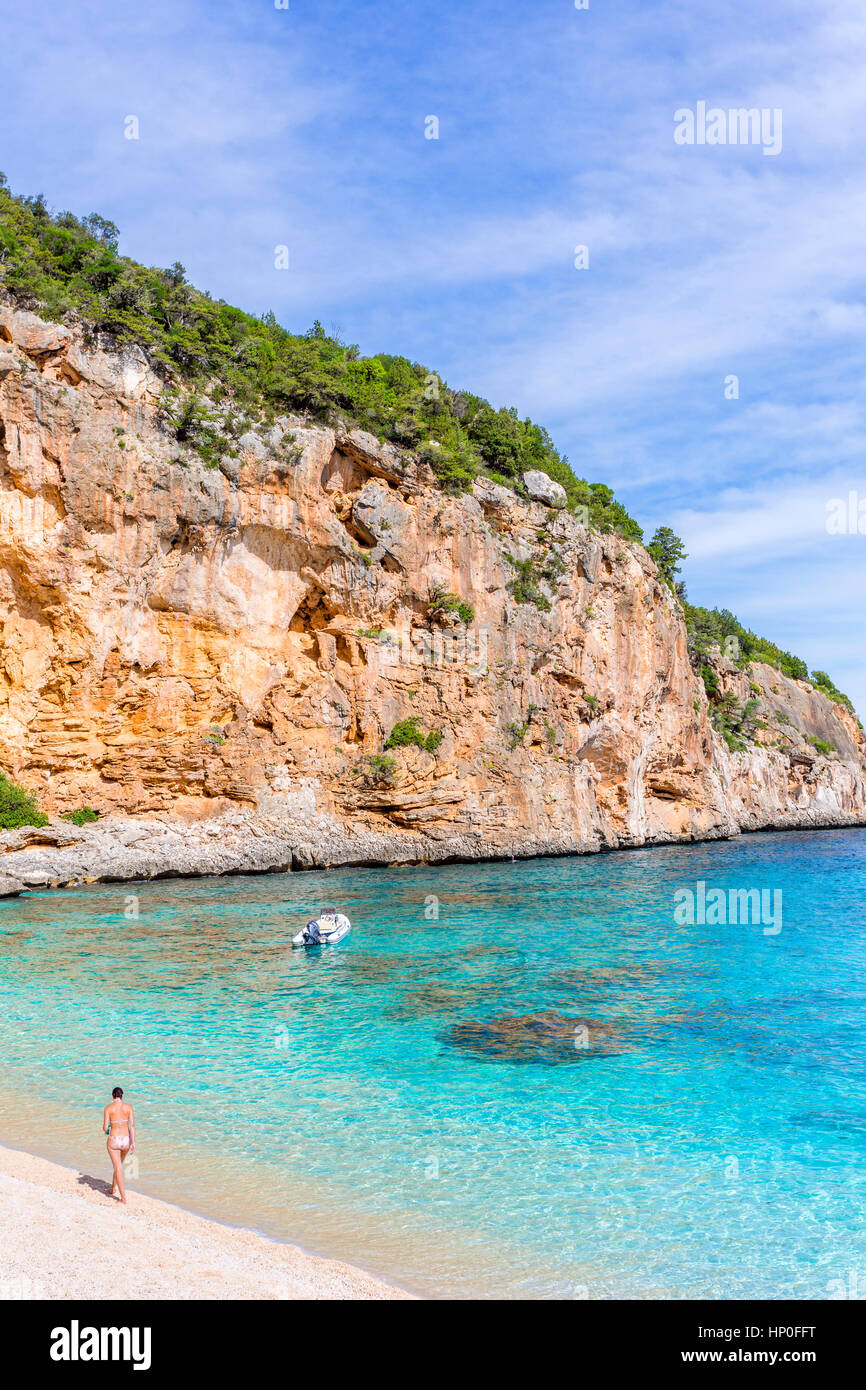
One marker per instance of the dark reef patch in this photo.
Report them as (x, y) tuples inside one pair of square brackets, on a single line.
[(546, 1038)]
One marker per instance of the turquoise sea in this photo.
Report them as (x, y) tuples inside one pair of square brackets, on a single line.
[(552, 1089)]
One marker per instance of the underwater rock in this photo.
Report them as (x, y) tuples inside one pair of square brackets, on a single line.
[(544, 1037)]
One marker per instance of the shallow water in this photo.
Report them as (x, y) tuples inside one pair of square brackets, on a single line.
[(553, 1090)]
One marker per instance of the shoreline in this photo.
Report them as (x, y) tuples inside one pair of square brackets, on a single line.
[(65, 1238), (142, 870)]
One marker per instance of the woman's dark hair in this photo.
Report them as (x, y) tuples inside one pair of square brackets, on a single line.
[(117, 1093)]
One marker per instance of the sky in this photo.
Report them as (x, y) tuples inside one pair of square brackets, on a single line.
[(307, 127)]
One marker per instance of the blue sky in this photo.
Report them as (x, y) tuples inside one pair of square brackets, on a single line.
[(305, 127)]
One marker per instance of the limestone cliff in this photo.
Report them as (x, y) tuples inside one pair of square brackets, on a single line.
[(210, 657)]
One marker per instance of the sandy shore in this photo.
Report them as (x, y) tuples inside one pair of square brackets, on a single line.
[(64, 1237)]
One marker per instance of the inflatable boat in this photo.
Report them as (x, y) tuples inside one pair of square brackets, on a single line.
[(326, 930)]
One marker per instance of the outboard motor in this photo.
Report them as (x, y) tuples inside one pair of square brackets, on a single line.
[(330, 928)]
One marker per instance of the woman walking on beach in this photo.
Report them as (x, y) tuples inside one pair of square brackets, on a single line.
[(118, 1122)]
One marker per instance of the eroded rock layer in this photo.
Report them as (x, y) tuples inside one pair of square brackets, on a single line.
[(211, 657)]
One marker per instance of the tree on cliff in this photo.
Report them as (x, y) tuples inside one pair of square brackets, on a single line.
[(668, 551)]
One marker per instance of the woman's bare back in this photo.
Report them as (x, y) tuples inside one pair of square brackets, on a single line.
[(117, 1115)]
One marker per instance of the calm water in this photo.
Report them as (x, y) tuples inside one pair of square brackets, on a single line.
[(397, 1101)]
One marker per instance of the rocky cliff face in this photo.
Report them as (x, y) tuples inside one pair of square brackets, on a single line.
[(211, 657)]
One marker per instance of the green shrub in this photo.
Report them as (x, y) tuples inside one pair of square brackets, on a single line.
[(18, 806), (409, 733), (524, 586), (735, 722), (85, 815), (442, 601), (822, 681), (183, 414), (553, 567), (376, 770), (711, 627), (601, 508), (821, 746)]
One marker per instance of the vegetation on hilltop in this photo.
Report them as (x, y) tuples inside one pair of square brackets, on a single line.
[(707, 628), (61, 265), (822, 682), (718, 627), (714, 627)]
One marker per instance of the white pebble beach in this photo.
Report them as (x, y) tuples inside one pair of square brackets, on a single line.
[(65, 1238)]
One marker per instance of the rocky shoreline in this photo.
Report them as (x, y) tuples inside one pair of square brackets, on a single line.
[(128, 851)]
